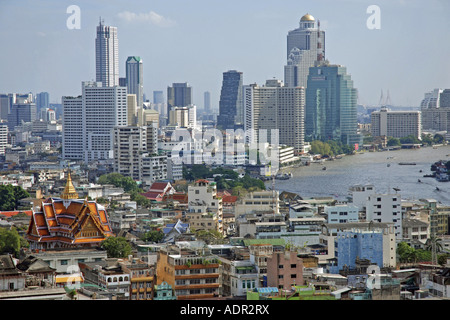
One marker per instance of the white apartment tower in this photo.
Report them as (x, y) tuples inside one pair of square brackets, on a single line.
[(72, 125), (275, 107), (107, 55), (130, 143)]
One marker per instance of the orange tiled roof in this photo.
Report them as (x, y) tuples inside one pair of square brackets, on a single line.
[(64, 220), (13, 213)]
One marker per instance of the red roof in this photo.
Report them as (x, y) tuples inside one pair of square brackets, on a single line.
[(159, 186), (9, 214), (180, 197), (152, 195), (229, 199), (202, 180)]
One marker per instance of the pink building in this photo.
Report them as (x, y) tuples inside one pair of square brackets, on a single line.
[(284, 270)]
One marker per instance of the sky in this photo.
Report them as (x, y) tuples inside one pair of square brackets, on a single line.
[(196, 41)]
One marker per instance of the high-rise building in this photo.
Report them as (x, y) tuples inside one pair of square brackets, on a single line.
[(231, 111), (179, 95), (305, 45), (21, 112), (132, 110), (135, 78), (397, 124), (103, 109), (185, 117), (129, 143), (275, 107), (431, 99), (42, 101), (8, 99), (89, 120), (207, 102), (72, 124), (107, 55), (444, 98), (158, 97), (3, 137), (331, 105)]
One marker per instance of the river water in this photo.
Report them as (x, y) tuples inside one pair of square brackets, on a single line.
[(380, 169)]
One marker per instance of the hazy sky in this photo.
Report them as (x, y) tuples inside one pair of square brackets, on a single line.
[(196, 41)]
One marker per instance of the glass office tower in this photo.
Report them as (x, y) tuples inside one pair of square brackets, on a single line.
[(331, 105)]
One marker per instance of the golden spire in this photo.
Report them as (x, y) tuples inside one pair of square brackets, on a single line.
[(69, 190)]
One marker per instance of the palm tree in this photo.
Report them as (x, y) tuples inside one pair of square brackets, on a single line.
[(434, 245)]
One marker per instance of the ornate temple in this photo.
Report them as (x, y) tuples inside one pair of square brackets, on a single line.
[(68, 222)]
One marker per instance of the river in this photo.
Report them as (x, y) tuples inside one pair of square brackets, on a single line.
[(380, 169)]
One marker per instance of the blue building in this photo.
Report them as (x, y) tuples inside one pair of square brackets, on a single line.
[(231, 112), (362, 244)]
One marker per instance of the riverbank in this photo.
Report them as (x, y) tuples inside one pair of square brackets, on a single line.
[(380, 169)]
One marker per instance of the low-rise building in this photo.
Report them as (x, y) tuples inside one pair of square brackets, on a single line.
[(192, 275)]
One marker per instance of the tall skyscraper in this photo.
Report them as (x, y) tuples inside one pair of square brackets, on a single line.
[(207, 102), (179, 95), (331, 105), (107, 55), (89, 120), (275, 107), (42, 101), (135, 78), (305, 45), (158, 97), (231, 110)]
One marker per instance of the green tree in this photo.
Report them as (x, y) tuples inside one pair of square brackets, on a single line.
[(427, 139), (10, 196), (118, 180), (393, 142), (438, 138), (10, 241), (117, 247), (409, 139), (210, 236), (405, 252), (153, 236)]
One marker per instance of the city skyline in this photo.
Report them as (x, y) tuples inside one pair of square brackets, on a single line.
[(195, 43)]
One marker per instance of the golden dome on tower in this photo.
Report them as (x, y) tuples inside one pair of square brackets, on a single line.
[(307, 17)]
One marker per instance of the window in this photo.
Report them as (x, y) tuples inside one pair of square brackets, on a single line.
[(280, 266), (64, 262), (293, 266)]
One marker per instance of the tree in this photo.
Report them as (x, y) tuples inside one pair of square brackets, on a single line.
[(210, 236), (118, 180), (438, 138), (117, 247), (10, 241), (153, 236), (393, 142), (405, 252), (10, 196)]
